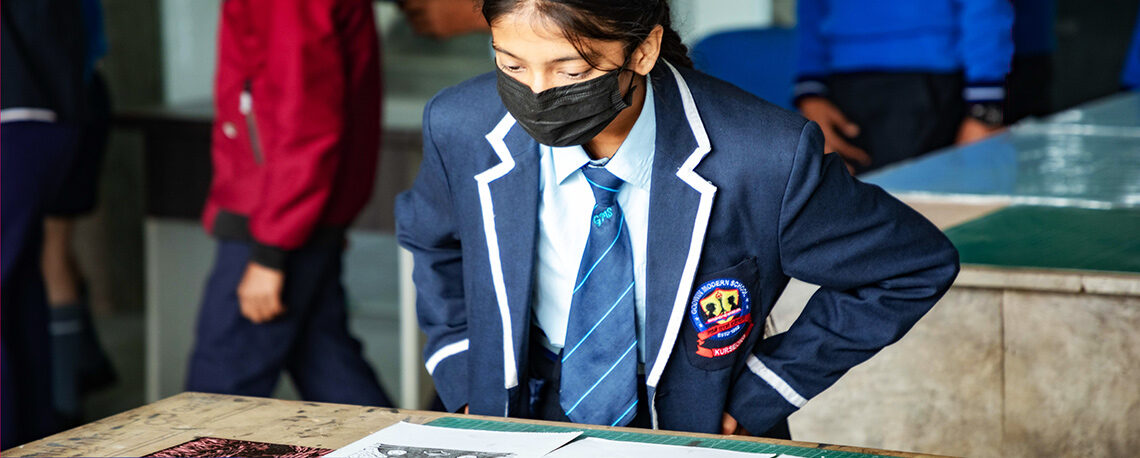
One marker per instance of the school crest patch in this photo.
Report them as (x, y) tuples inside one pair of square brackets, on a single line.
[(720, 313)]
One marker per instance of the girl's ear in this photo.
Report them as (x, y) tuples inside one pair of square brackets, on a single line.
[(645, 56)]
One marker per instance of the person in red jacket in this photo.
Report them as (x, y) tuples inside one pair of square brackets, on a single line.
[(295, 146)]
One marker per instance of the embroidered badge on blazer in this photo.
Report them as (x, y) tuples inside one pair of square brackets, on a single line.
[(720, 313)]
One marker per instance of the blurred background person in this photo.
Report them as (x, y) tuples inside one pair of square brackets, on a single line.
[(79, 364), (1030, 83), (1130, 75), (444, 18), (43, 101), (889, 80), (295, 144), (145, 258)]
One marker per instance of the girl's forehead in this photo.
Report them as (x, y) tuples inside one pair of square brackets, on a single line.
[(528, 36), (528, 32)]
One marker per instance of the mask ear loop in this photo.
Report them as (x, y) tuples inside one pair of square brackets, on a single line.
[(628, 97)]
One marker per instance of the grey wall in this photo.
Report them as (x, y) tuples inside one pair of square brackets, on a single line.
[(189, 38), (694, 19)]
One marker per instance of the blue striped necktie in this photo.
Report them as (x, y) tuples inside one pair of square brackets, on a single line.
[(599, 360)]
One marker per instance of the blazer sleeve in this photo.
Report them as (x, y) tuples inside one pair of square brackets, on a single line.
[(881, 266), (426, 226)]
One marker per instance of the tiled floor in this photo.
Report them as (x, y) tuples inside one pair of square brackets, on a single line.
[(121, 334)]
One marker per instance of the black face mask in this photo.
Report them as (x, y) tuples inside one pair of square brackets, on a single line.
[(565, 115)]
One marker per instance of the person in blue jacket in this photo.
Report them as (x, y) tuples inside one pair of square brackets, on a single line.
[(889, 80), (1130, 76), (599, 233)]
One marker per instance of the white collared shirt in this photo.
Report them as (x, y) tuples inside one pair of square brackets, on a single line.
[(564, 211)]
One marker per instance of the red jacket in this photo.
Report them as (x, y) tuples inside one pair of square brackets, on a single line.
[(297, 122)]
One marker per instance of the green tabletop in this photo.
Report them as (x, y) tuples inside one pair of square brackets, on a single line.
[(1052, 238), (724, 444)]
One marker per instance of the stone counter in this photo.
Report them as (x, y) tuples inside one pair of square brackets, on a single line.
[(1009, 363)]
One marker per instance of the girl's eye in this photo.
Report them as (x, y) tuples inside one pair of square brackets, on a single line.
[(511, 68), (572, 75)]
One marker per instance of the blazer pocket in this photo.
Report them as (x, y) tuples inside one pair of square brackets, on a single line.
[(719, 318)]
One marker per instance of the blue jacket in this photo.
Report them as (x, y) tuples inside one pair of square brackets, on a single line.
[(43, 60), (1130, 75), (933, 36), (742, 199)]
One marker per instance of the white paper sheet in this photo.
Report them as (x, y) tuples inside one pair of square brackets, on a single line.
[(591, 447), (407, 440)]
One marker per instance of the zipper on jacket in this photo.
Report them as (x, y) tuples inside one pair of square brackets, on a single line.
[(245, 105)]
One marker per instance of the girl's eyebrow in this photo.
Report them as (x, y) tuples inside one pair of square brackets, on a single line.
[(552, 61)]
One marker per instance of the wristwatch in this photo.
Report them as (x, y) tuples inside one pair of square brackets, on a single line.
[(990, 114)]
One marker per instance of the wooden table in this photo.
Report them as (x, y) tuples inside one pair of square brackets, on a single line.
[(187, 416)]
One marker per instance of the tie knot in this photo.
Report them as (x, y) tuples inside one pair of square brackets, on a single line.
[(604, 184)]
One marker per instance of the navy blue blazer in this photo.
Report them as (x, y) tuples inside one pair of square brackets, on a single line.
[(742, 199)]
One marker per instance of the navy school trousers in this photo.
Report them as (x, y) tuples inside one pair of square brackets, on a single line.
[(310, 341), (34, 156)]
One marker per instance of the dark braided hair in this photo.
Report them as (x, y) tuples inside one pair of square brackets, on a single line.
[(626, 21)]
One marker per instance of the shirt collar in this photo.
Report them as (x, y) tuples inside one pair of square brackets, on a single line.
[(633, 160)]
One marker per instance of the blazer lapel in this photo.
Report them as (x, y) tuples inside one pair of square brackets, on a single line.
[(508, 195), (679, 209)]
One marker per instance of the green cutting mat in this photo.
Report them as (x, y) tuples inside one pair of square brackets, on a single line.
[(1053, 238), (725, 444)]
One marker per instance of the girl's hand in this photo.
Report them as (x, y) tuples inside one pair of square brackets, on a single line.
[(729, 426)]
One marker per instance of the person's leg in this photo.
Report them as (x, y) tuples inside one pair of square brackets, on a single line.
[(61, 278), (76, 197), (232, 355), (30, 153), (327, 363), (945, 118), (66, 321), (28, 385), (95, 369), (80, 364), (34, 157), (8, 417)]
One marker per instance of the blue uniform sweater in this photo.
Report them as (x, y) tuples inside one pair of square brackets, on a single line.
[(1130, 76), (973, 37)]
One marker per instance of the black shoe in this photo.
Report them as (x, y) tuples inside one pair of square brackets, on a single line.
[(94, 371)]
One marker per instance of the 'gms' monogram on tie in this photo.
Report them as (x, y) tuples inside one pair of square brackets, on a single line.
[(603, 215)]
